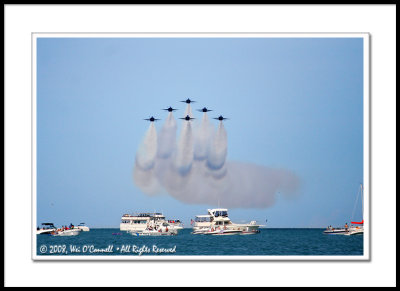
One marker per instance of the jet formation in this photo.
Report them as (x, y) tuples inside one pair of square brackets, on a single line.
[(187, 117)]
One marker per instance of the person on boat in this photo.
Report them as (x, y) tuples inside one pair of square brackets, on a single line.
[(346, 227)]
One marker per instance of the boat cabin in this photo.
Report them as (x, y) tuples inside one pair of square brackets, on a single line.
[(142, 218), (219, 212), (48, 225)]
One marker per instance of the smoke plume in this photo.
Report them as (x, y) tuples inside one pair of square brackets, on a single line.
[(194, 168)]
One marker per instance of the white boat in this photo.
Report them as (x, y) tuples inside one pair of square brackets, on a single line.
[(141, 221), (217, 222), (163, 229), (176, 223), (67, 232), (337, 230), (46, 228), (82, 226), (355, 228)]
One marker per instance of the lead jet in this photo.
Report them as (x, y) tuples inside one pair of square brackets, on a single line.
[(188, 101), (170, 109), (187, 118), (151, 119), (204, 110), (220, 118)]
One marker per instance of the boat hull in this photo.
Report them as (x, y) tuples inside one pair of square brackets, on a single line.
[(69, 232), (45, 231), (153, 233)]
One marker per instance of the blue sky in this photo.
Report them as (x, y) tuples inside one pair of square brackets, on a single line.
[(293, 103)]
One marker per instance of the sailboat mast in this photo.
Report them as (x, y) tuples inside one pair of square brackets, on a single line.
[(362, 200)]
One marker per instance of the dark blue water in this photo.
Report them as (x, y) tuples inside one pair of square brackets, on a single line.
[(269, 242)]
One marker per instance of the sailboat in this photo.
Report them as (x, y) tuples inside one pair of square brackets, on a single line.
[(356, 227)]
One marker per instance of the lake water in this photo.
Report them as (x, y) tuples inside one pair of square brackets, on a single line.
[(269, 242)]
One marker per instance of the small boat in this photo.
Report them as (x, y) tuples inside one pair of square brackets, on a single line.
[(355, 228), (47, 228), (176, 223), (254, 231), (154, 232), (157, 230), (82, 226), (66, 232), (332, 230)]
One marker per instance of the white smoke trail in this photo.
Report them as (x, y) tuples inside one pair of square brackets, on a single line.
[(146, 155), (145, 161), (188, 111), (195, 169), (184, 153), (203, 139), (218, 151), (167, 137)]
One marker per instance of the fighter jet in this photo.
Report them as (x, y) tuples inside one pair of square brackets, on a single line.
[(187, 118), (220, 118), (170, 109), (204, 110), (188, 101), (151, 119)]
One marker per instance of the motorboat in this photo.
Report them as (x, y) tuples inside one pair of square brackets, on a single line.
[(67, 232), (139, 222), (333, 230), (82, 226), (46, 228), (217, 222), (176, 223), (164, 229)]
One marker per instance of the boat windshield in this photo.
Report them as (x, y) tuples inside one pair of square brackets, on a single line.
[(202, 219), (47, 225), (221, 213)]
